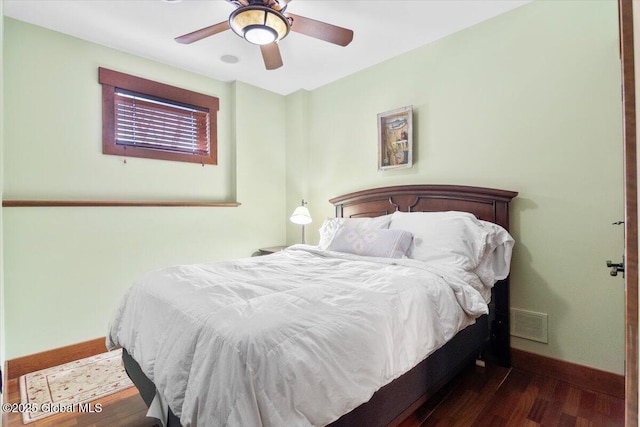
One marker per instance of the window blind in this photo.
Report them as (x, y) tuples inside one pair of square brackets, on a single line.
[(146, 122)]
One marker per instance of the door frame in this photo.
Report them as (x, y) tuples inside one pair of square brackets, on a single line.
[(625, 8)]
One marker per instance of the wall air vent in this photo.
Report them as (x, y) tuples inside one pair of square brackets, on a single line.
[(529, 325)]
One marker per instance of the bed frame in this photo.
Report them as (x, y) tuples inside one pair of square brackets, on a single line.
[(489, 336)]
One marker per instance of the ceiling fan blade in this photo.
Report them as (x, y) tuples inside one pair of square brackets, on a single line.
[(239, 3), (276, 4), (321, 30), (271, 56), (203, 32)]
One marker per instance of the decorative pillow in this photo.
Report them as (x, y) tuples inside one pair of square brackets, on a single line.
[(451, 237), (371, 242), (330, 226)]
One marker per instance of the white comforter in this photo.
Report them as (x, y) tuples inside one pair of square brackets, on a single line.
[(297, 338)]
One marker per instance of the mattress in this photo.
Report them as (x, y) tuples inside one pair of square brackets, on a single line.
[(296, 338)]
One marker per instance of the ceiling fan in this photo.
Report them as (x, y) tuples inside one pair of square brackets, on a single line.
[(265, 23)]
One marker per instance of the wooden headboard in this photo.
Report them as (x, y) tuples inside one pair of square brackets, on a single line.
[(485, 203)]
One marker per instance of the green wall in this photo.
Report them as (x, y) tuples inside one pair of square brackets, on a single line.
[(2, 299), (528, 101), (297, 157), (67, 268)]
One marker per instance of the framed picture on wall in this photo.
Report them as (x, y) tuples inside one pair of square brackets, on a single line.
[(395, 139)]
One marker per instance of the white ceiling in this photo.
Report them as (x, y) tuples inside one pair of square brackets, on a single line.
[(146, 28)]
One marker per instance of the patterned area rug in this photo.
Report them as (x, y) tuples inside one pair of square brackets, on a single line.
[(72, 387)]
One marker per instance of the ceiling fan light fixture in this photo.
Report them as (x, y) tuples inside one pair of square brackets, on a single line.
[(259, 24)]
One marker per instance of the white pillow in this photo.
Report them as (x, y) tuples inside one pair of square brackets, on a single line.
[(495, 263), (371, 242), (452, 237), (330, 226)]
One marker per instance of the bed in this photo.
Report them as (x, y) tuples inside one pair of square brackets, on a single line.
[(286, 366)]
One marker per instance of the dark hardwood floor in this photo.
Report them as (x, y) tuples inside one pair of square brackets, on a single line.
[(496, 396), (491, 396)]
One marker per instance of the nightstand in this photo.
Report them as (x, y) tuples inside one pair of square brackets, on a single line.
[(271, 250)]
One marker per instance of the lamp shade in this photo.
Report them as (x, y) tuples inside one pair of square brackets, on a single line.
[(259, 24), (301, 216)]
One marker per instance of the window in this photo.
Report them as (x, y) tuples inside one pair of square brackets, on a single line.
[(143, 118)]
